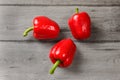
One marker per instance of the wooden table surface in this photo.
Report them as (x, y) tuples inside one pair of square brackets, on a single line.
[(24, 58)]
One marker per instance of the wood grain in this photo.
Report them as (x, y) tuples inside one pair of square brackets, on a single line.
[(24, 58), (15, 19), (60, 2), (28, 61)]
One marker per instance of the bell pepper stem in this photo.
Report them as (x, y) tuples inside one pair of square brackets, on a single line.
[(54, 66), (77, 10), (25, 33)]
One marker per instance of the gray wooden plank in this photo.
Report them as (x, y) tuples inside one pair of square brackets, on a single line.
[(29, 61), (15, 19), (95, 37), (60, 2)]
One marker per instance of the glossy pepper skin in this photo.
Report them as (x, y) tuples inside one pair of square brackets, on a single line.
[(80, 25), (44, 28), (63, 51)]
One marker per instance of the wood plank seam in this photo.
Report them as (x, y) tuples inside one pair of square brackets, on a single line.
[(100, 5), (86, 41)]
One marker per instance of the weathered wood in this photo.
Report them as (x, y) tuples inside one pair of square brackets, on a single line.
[(30, 61), (59, 2), (96, 37), (15, 19), (27, 59)]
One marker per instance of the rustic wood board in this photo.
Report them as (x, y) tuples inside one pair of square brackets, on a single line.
[(15, 19), (93, 61), (24, 58), (60, 2)]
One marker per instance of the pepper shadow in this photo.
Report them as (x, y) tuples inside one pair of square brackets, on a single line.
[(76, 66), (96, 33)]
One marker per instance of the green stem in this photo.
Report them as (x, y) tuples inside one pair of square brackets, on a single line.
[(77, 10), (25, 33), (54, 66)]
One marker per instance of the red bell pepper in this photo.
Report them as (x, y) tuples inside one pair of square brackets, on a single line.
[(62, 54), (80, 25), (43, 28)]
